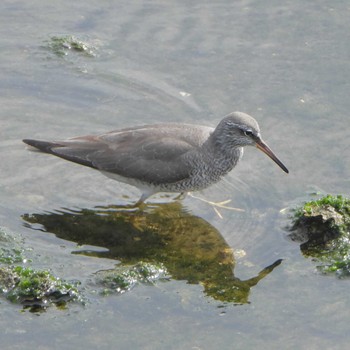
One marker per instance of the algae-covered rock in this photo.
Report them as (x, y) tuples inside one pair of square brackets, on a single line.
[(323, 226), (21, 284), (123, 277), (34, 288), (63, 45)]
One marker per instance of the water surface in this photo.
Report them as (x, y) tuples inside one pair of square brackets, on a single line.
[(287, 64)]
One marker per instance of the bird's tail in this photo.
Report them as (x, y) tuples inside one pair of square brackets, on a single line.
[(43, 146)]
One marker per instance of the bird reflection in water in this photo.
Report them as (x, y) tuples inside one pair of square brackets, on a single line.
[(189, 247)]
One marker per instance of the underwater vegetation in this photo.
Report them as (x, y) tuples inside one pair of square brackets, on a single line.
[(63, 45), (20, 283)]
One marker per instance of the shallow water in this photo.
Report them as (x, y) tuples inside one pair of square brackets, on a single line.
[(286, 64)]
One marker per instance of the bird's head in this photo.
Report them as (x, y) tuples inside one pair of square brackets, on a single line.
[(238, 130)]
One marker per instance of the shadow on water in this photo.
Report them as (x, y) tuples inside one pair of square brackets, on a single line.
[(189, 247)]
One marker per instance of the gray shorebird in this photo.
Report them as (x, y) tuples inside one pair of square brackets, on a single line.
[(170, 157)]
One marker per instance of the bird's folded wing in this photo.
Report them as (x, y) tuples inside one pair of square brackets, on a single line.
[(153, 160)]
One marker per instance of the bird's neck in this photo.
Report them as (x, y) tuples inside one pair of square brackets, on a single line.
[(223, 154)]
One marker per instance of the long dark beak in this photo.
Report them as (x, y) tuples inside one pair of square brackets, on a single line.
[(267, 150)]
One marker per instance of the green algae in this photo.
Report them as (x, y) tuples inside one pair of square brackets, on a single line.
[(63, 45), (324, 226), (123, 278), (35, 288), (32, 288), (11, 256), (11, 251), (339, 203)]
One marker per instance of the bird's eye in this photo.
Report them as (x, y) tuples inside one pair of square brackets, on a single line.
[(248, 133)]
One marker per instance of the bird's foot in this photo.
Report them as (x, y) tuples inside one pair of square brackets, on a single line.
[(216, 205), (181, 196)]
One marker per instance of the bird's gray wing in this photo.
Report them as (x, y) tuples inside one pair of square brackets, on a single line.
[(142, 154), (156, 160)]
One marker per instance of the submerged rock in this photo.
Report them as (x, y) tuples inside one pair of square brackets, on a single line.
[(62, 45), (123, 278)]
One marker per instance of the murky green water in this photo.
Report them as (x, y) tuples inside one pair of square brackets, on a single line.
[(287, 64)]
